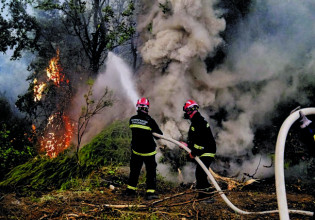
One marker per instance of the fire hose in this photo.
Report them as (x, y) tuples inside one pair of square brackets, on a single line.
[(279, 162), (215, 184)]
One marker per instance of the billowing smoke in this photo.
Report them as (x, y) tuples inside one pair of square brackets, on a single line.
[(180, 37), (13, 77), (269, 51), (273, 47)]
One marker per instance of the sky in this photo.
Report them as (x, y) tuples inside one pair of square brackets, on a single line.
[(13, 75)]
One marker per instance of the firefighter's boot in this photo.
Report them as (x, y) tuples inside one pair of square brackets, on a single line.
[(130, 193), (151, 195), (205, 196)]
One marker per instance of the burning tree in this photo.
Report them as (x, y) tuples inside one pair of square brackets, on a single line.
[(51, 94), (85, 31), (57, 134)]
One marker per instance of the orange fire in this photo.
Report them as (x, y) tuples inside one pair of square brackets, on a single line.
[(57, 135), (58, 132), (38, 90), (54, 73), (54, 70)]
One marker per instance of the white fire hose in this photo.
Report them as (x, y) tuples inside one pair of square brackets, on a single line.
[(223, 196), (279, 162)]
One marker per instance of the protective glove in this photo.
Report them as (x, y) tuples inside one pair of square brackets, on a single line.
[(304, 120), (184, 143)]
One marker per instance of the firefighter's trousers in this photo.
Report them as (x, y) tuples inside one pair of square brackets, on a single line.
[(136, 163), (201, 176)]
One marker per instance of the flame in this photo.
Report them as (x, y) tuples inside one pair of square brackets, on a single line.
[(54, 73), (33, 128), (38, 90), (54, 70), (57, 136)]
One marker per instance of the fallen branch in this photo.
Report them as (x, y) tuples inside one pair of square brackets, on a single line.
[(116, 205), (124, 206), (232, 183), (77, 215), (171, 197)]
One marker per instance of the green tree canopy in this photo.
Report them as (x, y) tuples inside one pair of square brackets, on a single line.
[(18, 29)]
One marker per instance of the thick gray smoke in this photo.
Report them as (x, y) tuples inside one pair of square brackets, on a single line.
[(274, 46), (180, 38), (268, 52)]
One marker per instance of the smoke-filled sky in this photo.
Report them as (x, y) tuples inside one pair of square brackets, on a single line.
[(13, 76)]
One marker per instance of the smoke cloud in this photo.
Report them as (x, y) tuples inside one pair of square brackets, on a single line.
[(179, 40), (13, 76), (267, 54), (273, 46)]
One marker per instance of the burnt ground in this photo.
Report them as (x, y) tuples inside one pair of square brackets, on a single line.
[(175, 202)]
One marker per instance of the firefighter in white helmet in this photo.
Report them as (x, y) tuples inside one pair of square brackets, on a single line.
[(143, 149), (201, 143)]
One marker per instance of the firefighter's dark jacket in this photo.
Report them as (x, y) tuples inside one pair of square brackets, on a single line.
[(200, 139), (142, 126)]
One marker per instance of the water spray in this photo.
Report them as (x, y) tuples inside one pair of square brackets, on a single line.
[(223, 196), (125, 76)]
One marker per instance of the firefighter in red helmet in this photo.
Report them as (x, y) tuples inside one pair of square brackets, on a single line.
[(143, 149), (201, 143)]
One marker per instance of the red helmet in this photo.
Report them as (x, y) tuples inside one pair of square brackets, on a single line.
[(143, 103), (190, 105)]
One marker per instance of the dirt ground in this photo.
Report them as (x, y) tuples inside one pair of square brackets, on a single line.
[(174, 203)]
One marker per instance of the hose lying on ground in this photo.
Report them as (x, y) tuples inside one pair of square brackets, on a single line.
[(223, 196)]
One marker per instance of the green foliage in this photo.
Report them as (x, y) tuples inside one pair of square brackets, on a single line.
[(42, 173), (9, 155), (108, 12), (72, 183), (15, 146), (166, 7), (150, 27), (18, 31), (109, 147), (48, 5), (129, 11), (90, 82)]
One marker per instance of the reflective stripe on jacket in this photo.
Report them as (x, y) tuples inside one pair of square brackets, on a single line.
[(142, 126), (200, 139), (144, 154)]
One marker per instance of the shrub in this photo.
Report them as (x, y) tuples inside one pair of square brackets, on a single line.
[(109, 147)]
